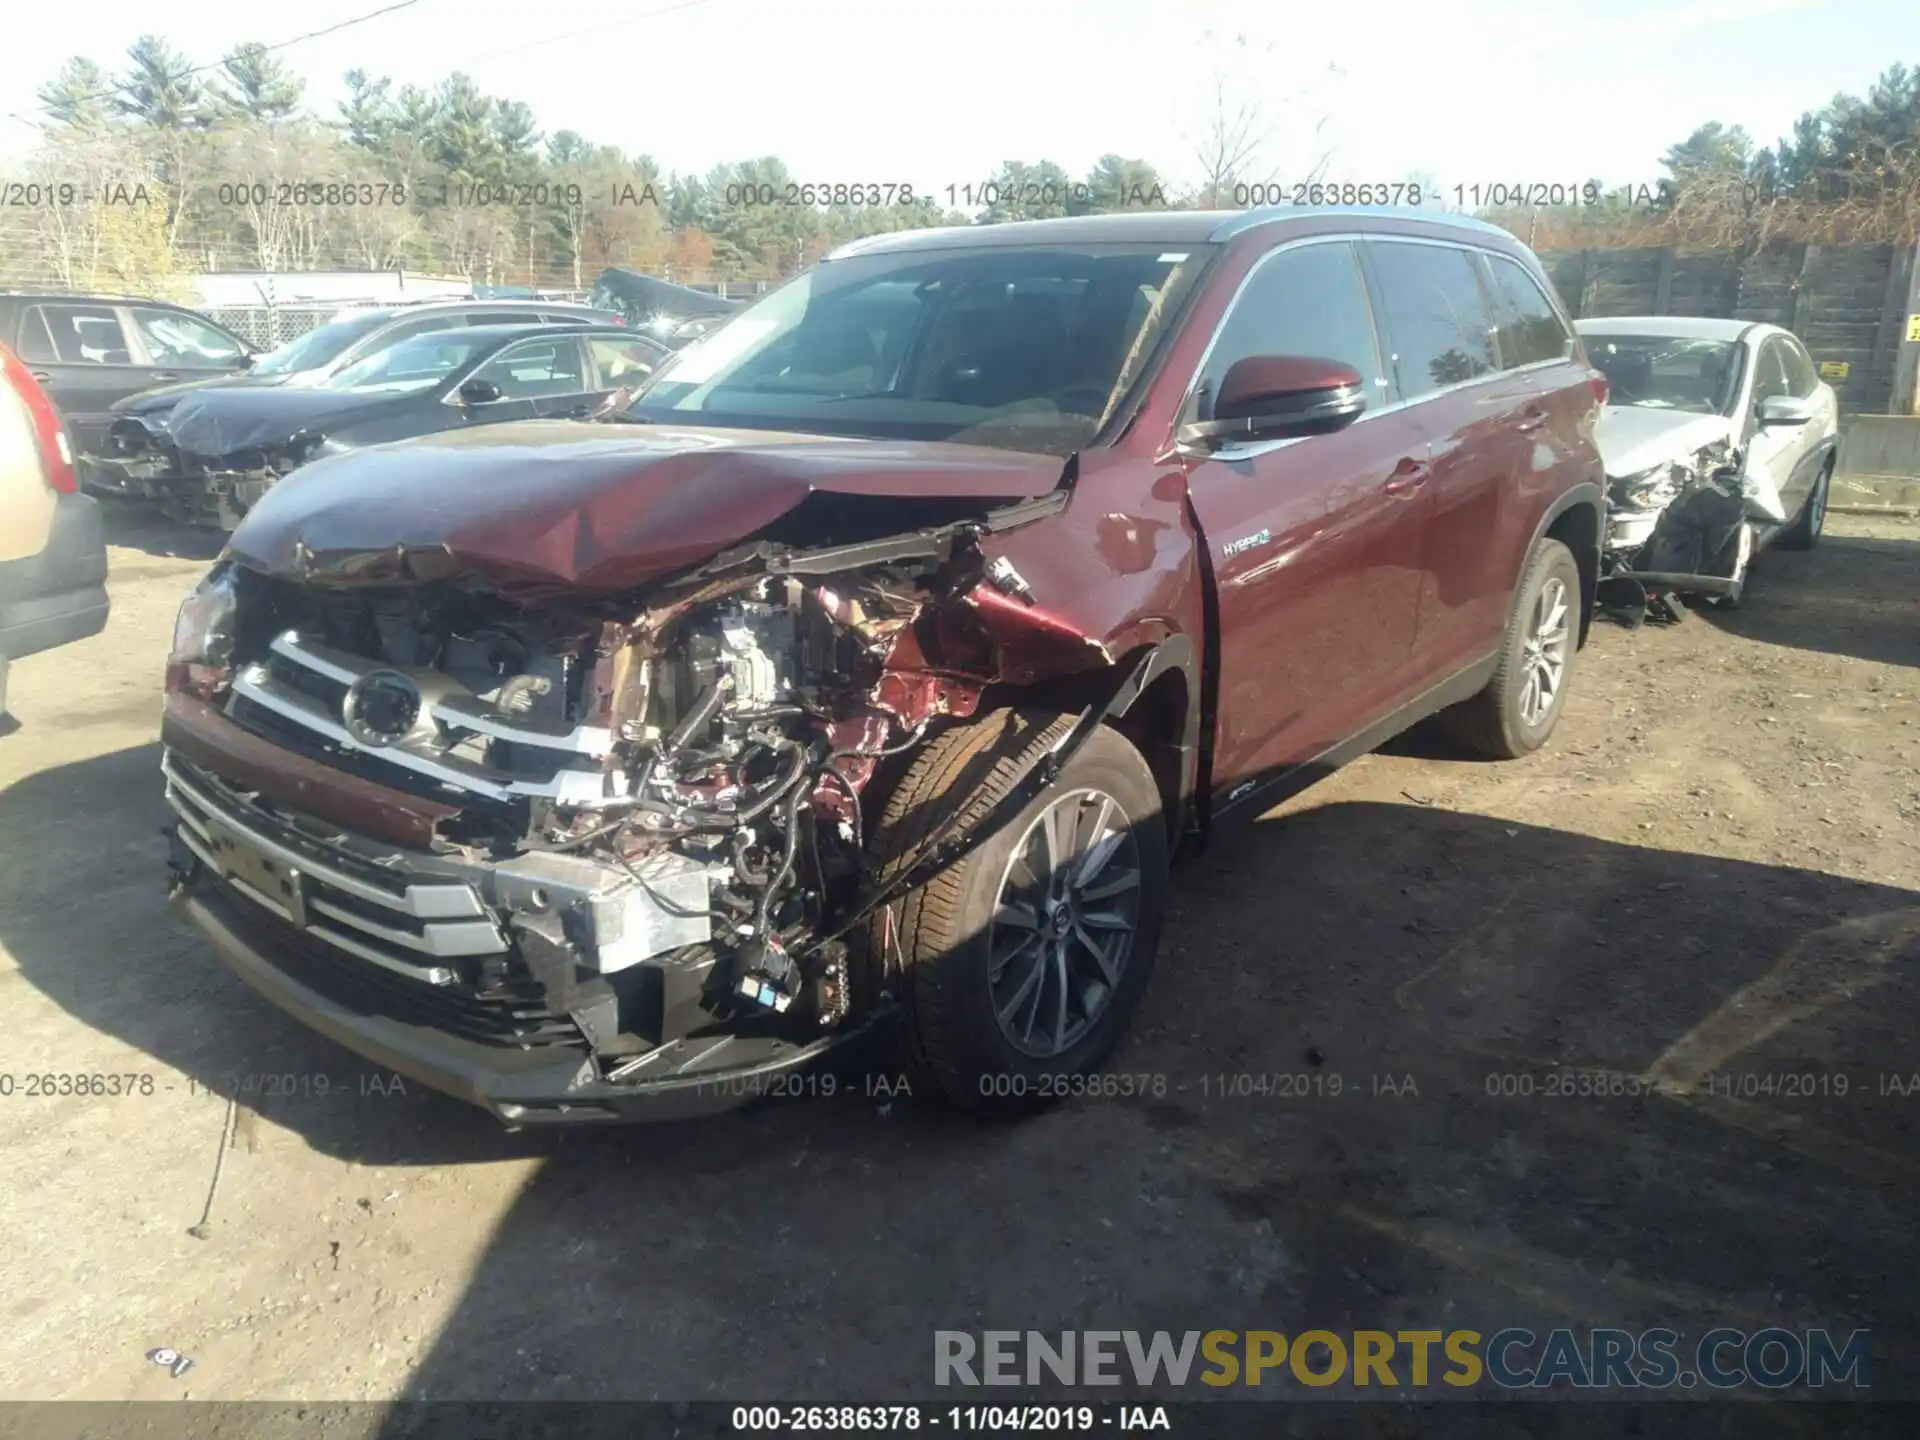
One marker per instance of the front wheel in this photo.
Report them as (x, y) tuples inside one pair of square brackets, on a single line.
[(1804, 534), (1019, 967), (1517, 711)]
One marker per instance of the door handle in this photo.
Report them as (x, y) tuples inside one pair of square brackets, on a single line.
[(165, 375), (40, 375), (1532, 418), (1407, 477)]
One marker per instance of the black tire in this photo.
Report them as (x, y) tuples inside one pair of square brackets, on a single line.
[(1805, 531), (931, 948), (1491, 723)]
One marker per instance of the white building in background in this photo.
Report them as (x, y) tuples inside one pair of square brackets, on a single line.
[(269, 289)]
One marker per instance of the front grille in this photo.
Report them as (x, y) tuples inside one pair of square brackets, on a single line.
[(459, 742)]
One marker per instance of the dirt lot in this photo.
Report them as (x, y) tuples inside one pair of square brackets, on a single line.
[(1713, 872)]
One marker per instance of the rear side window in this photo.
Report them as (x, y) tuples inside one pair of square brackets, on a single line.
[(1305, 301), (86, 334), (620, 361), (1528, 328), (1436, 315), (35, 342)]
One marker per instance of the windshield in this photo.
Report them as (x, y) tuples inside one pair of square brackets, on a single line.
[(416, 364), (320, 346), (1018, 348), (1665, 372)]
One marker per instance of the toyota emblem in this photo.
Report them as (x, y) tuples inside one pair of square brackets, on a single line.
[(381, 708)]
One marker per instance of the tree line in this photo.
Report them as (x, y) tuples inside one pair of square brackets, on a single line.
[(164, 168)]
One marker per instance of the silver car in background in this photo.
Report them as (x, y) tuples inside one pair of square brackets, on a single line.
[(1719, 439)]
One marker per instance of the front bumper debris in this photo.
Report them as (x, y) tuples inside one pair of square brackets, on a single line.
[(424, 967), (520, 1087)]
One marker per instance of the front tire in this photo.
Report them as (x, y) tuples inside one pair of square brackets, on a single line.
[(1805, 532), (1517, 711), (1020, 966)]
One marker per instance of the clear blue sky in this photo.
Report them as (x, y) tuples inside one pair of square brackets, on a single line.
[(938, 92)]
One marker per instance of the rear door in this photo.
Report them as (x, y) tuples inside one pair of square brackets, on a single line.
[(1314, 543), (1440, 332), (85, 357)]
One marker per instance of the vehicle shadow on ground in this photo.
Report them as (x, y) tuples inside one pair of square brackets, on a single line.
[(136, 525), (1392, 1073), (1851, 595), (1357, 1103)]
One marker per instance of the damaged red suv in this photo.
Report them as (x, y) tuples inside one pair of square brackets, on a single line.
[(868, 669)]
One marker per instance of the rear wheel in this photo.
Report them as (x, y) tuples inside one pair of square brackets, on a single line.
[(1020, 966), (1517, 711), (1804, 533)]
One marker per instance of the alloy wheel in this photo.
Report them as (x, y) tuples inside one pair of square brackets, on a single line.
[(1543, 657), (1064, 923)]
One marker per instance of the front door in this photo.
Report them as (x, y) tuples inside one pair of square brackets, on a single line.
[(1314, 543)]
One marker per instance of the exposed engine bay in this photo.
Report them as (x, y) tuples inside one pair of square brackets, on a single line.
[(646, 817), (1674, 528)]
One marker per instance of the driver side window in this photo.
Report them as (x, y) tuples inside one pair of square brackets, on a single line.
[(536, 369), (1305, 301), (1770, 376)]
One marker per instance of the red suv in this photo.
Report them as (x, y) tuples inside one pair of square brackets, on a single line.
[(869, 668)]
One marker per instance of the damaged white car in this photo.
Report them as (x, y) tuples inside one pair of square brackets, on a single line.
[(1719, 439)]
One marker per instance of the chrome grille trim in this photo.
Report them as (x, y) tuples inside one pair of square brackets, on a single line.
[(453, 921), (449, 707), (463, 710), (420, 902)]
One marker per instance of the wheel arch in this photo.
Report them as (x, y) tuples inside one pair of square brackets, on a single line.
[(1152, 695), (1577, 519)]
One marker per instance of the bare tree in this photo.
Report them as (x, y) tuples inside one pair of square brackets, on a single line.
[(1233, 129)]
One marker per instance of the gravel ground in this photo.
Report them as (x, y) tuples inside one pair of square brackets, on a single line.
[(1709, 878)]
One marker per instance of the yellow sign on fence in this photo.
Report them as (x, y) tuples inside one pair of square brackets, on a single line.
[(1913, 327), (1834, 369)]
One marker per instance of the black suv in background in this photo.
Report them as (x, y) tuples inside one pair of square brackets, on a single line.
[(108, 361), (90, 351)]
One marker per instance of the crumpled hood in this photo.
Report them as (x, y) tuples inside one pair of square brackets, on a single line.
[(223, 422), (165, 397), (1633, 438), (589, 506)]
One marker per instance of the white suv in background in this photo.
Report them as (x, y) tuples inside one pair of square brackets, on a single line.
[(1719, 439)]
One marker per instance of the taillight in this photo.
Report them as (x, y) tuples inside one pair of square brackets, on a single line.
[(1597, 383), (56, 451)]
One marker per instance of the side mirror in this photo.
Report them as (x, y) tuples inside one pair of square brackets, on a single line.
[(1280, 397), (243, 361), (479, 392), (1784, 410)]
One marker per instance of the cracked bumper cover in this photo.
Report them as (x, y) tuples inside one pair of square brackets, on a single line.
[(520, 1087)]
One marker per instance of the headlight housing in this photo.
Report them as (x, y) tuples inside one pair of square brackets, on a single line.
[(1653, 488), (201, 661)]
